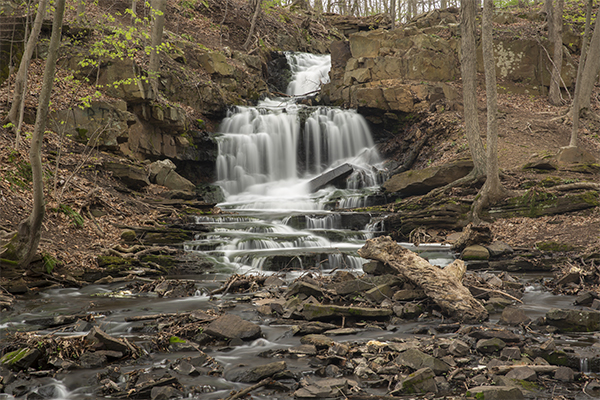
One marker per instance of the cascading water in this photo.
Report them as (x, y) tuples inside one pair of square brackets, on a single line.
[(268, 155)]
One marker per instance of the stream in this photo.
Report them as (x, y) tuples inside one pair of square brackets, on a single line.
[(274, 221)]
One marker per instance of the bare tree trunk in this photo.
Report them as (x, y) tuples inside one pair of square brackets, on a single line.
[(393, 13), (555, 34), (133, 11), (444, 286), (469, 78), (80, 11), (158, 8), (21, 79), (253, 24), (590, 70), (584, 47), (29, 229), (492, 190)]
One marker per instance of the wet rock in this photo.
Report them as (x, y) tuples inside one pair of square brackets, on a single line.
[(585, 299), (325, 388), (408, 295), (231, 326), (377, 268), (510, 353), (504, 335), (416, 359), (326, 311), (514, 316), (254, 374), (496, 393), (496, 304), (320, 341), (522, 374), (499, 249), (379, 293), (91, 359), (459, 348), (301, 287), (20, 359), (332, 177), (18, 286), (420, 381), (274, 281), (164, 393), (570, 277), (107, 342), (343, 331), (312, 327), (304, 349), (488, 346), (475, 252), (574, 320), (564, 374)]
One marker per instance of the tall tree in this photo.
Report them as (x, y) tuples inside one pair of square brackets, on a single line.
[(468, 66), (393, 13), (257, 9), (158, 8), (24, 244), (492, 189), (590, 72), (584, 47), (555, 19), (21, 79)]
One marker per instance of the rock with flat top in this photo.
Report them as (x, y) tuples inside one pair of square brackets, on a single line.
[(231, 326)]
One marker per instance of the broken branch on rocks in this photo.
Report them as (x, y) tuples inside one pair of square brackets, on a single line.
[(443, 286)]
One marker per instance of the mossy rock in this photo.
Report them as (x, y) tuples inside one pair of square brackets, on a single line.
[(113, 262), (165, 261), (555, 246), (128, 236), (167, 237)]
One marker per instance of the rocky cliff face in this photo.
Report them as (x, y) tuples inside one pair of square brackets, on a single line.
[(386, 74)]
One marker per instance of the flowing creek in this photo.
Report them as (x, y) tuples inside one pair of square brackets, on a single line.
[(275, 221)]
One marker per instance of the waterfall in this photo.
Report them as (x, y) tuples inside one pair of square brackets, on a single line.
[(309, 71), (267, 153)]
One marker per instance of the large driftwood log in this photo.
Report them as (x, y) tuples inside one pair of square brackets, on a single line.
[(444, 286)]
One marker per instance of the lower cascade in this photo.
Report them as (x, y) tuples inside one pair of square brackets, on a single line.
[(278, 165)]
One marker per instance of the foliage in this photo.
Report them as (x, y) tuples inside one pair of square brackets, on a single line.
[(49, 262), (22, 177), (73, 215)]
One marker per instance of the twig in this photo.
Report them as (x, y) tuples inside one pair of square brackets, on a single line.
[(244, 392)]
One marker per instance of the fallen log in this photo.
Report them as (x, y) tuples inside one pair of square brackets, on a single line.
[(443, 286)]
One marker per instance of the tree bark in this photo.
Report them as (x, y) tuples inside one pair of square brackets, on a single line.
[(21, 79), (29, 230), (555, 34), (393, 13), (590, 70), (468, 71), (443, 286), (253, 24), (158, 8), (575, 108), (492, 190)]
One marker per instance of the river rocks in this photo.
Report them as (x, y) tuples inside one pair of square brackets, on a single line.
[(475, 252), (108, 342), (418, 182), (416, 359), (420, 381), (254, 374), (20, 359), (490, 345), (574, 320), (321, 311), (231, 326), (514, 316), (496, 393)]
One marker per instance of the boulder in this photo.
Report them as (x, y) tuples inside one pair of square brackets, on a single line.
[(331, 177), (574, 155), (132, 176), (108, 342), (499, 249), (514, 316), (524, 373), (416, 359), (420, 381), (574, 320), (254, 374), (215, 63), (564, 374), (510, 353), (490, 345), (21, 359), (412, 183), (496, 393), (475, 252), (231, 326)]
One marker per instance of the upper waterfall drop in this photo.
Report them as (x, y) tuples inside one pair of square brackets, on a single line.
[(309, 72)]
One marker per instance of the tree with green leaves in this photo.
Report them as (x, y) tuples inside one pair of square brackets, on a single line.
[(24, 243)]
